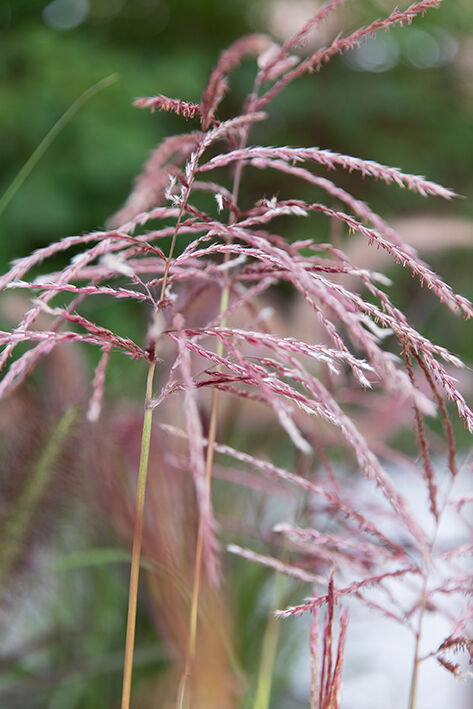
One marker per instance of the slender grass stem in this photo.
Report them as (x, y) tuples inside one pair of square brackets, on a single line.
[(140, 498), (270, 648), (137, 537), (416, 663), (184, 692), (171, 252), (49, 138), (417, 658)]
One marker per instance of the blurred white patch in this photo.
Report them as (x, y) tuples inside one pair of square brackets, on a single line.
[(380, 332), (65, 14), (219, 200), (380, 53), (93, 412), (428, 50), (285, 18), (169, 191), (266, 314), (157, 326), (267, 57), (115, 262), (379, 652)]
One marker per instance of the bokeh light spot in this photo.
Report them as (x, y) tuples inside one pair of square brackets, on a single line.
[(379, 54), (65, 14), (426, 50)]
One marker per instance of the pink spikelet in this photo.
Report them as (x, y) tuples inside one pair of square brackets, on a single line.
[(186, 109), (273, 66), (95, 403), (251, 45), (326, 666), (329, 159), (150, 187), (275, 564)]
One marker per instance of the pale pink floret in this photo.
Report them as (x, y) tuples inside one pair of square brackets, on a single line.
[(171, 105)]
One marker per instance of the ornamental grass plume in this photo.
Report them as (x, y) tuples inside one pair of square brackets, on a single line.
[(319, 388)]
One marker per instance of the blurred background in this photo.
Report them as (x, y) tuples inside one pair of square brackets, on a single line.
[(403, 99)]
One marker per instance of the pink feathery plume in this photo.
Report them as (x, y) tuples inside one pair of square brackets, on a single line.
[(288, 344), (309, 283), (269, 390), (447, 424), (431, 280), (151, 185), (343, 44), (311, 540), (337, 298), (429, 475), (107, 243), (368, 462), (223, 129), (299, 38), (360, 209), (99, 249), (103, 335), (230, 59), (50, 337), (324, 404), (346, 591), (330, 159), (276, 565), (26, 362), (84, 290)]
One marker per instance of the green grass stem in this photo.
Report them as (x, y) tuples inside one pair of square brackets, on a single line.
[(49, 138), (270, 648), (137, 537)]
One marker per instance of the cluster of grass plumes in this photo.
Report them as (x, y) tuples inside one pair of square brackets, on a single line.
[(316, 387)]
